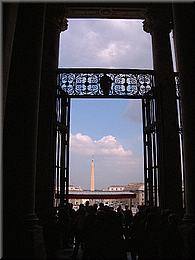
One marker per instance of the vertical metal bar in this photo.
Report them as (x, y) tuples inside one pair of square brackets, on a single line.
[(154, 152), (63, 147), (145, 159), (181, 148), (149, 145), (67, 147), (58, 163), (57, 147)]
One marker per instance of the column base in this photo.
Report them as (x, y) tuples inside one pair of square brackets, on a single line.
[(187, 229), (23, 238), (34, 246), (190, 219)]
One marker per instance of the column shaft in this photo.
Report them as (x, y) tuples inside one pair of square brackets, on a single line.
[(22, 235), (170, 186), (9, 24), (47, 112), (184, 34)]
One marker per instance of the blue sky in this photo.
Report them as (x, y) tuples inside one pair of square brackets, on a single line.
[(110, 130), (107, 117)]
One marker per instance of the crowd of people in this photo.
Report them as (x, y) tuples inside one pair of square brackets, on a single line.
[(101, 233)]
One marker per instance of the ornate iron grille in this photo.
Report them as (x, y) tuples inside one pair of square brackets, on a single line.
[(125, 83)]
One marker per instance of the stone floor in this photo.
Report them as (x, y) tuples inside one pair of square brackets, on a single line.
[(66, 254)]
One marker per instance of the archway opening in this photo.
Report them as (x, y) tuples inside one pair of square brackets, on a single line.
[(104, 43)]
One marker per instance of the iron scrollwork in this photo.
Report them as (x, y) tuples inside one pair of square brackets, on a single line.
[(124, 83)]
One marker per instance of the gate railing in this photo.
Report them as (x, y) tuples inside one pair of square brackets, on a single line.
[(124, 83)]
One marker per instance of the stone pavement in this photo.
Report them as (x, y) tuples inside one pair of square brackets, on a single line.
[(66, 254)]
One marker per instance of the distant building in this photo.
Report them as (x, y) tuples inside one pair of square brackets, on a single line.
[(116, 188), (75, 188), (133, 186), (138, 189), (140, 194), (110, 198)]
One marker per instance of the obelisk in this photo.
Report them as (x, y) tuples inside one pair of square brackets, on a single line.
[(92, 176)]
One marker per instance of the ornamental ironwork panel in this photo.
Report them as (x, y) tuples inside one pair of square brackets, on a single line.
[(124, 83)]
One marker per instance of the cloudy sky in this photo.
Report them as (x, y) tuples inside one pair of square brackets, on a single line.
[(110, 131)]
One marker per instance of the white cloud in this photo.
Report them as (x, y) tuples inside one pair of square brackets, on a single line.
[(113, 163), (92, 36), (126, 26), (120, 24), (113, 51), (106, 146), (105, 43)]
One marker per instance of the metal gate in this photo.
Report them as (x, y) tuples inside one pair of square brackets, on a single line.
[(150, 151), (61, 179), (105, 83)]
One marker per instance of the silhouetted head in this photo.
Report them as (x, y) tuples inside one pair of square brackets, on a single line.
[(101, 206), (81, 206), (91, 210), (119, 208), (87, 203), (95, 207)]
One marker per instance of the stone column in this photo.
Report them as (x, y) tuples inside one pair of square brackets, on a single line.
[(184, 35), (158, 25), (9, 23), (22, 234), (55, 23)]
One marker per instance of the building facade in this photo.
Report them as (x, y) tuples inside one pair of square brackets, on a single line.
[(136, 188)]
